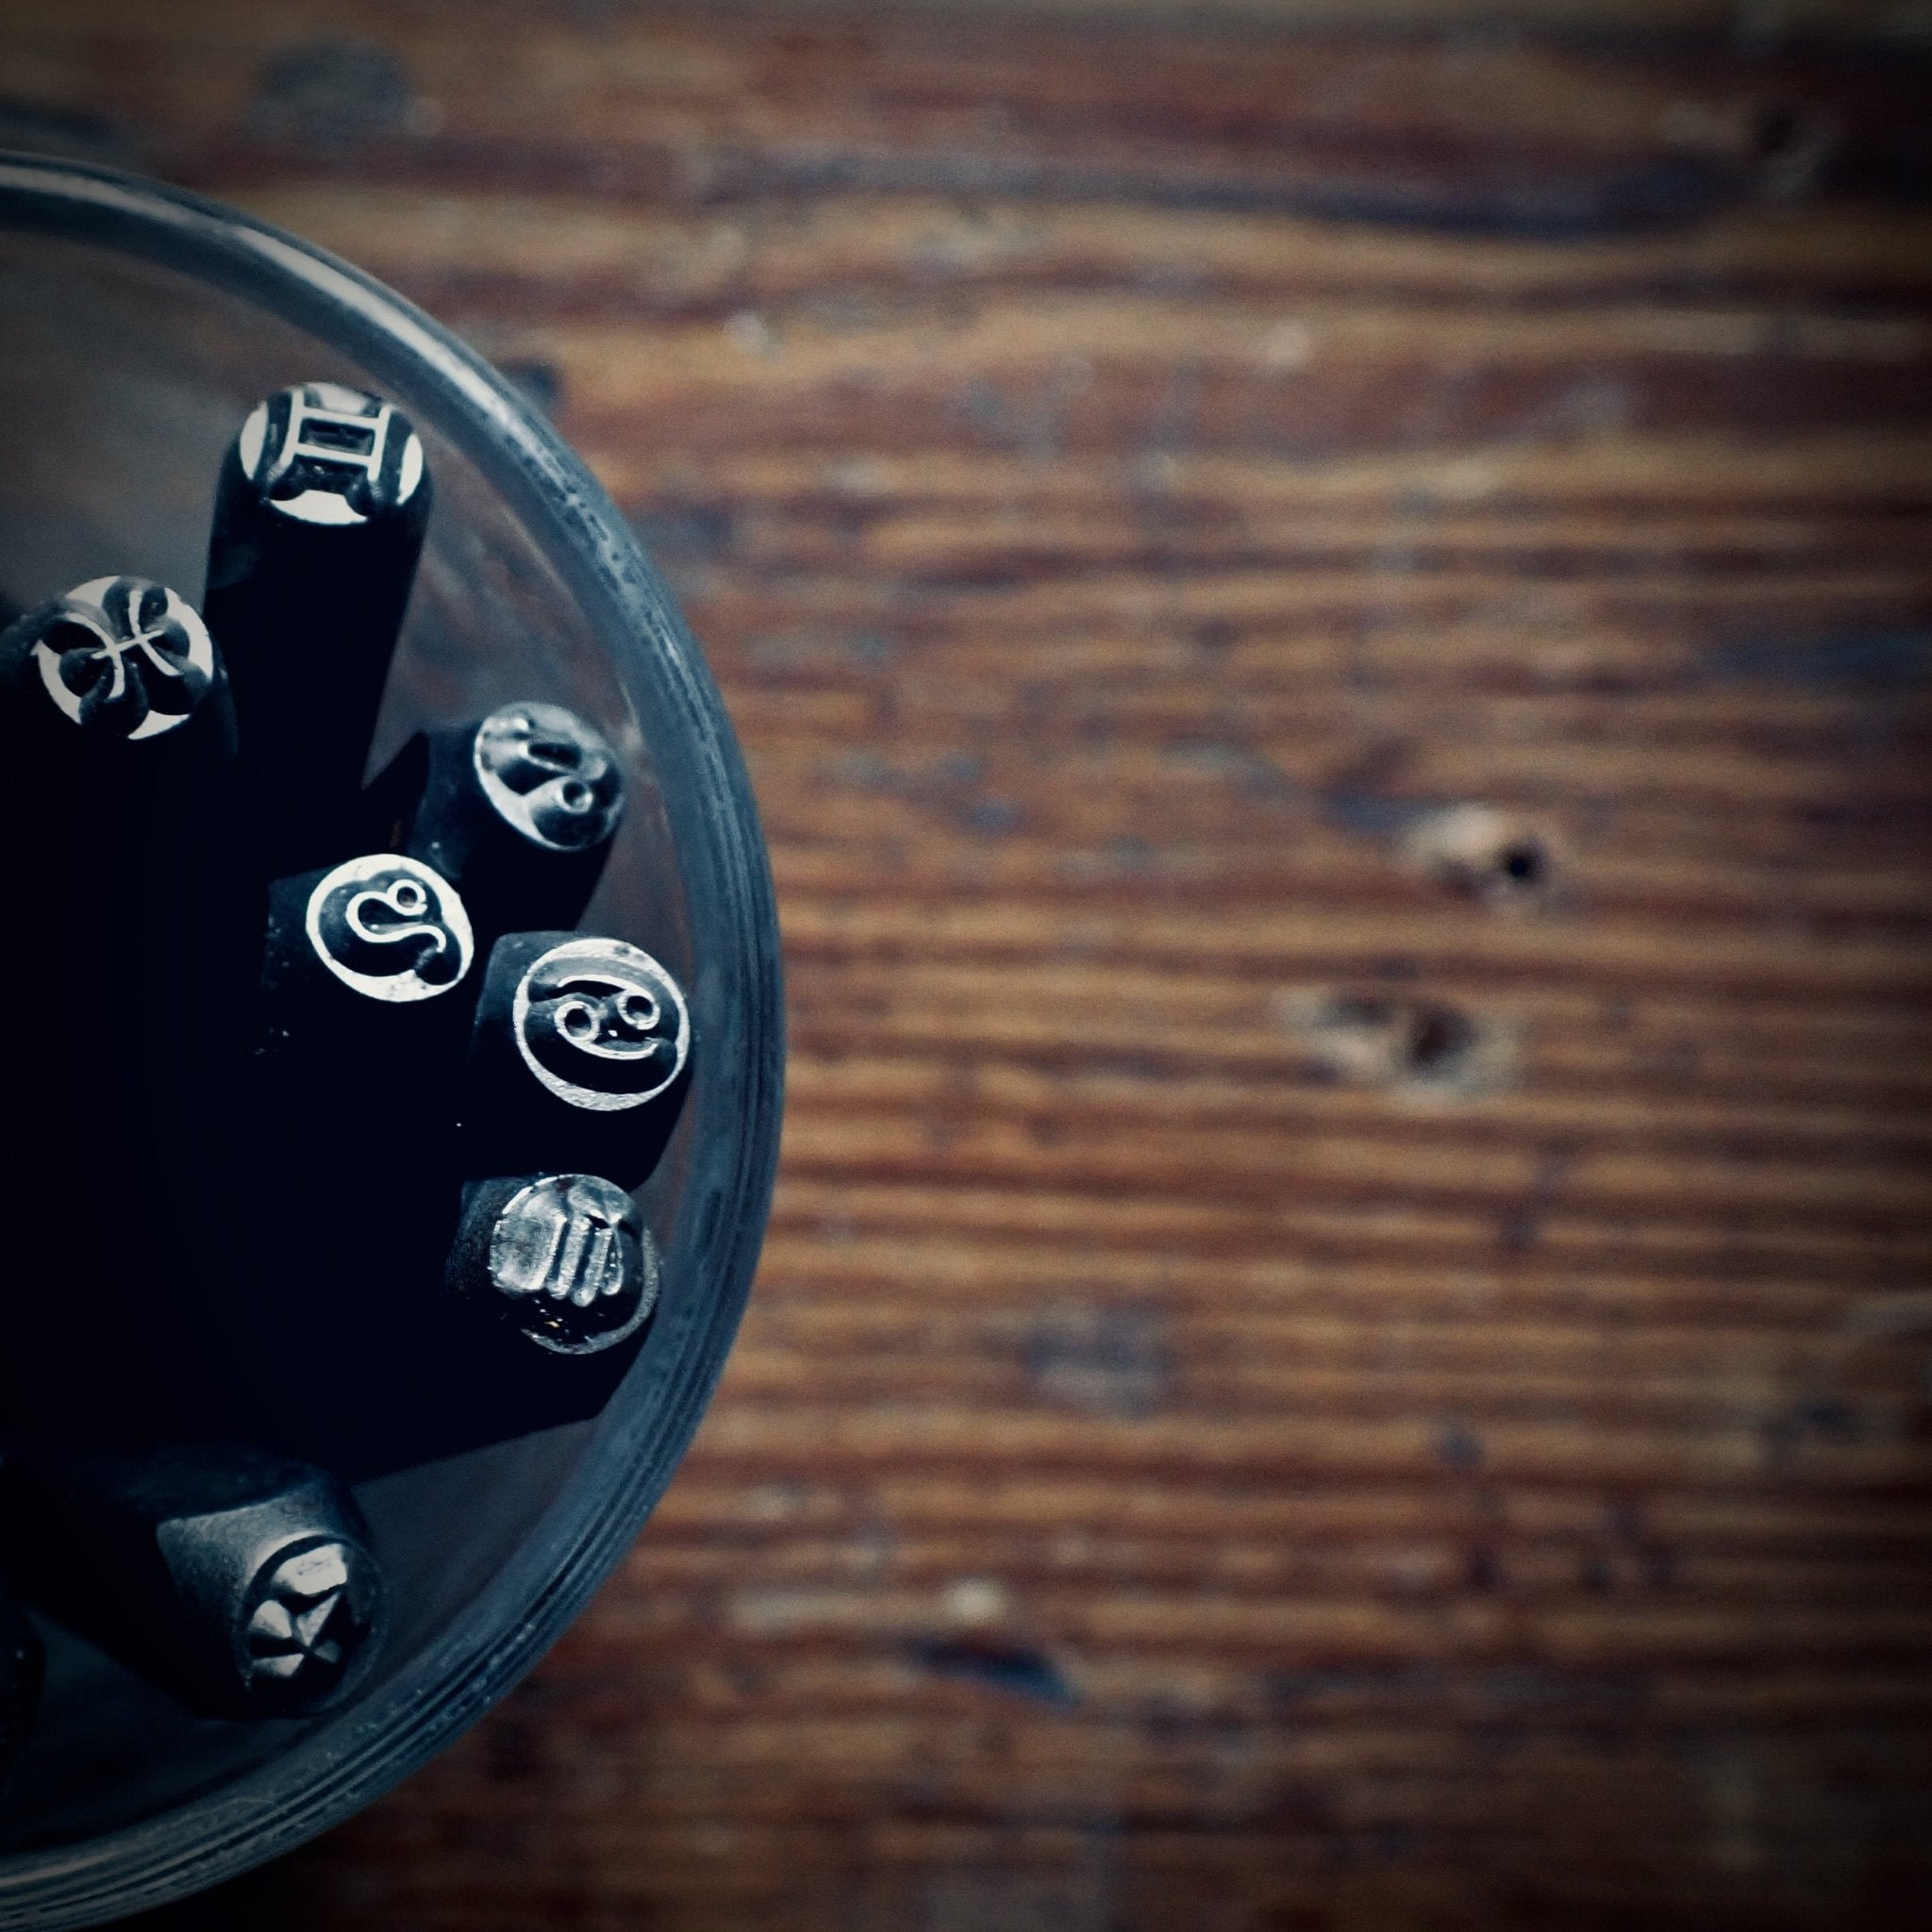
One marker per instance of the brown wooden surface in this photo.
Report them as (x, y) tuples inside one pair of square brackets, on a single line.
[(1295, 1385)]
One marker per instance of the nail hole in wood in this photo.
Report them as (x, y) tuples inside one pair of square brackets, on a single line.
[(1484, 852), (1423, 1049)]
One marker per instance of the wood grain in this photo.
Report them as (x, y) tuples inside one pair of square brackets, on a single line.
[(1285, 1391)]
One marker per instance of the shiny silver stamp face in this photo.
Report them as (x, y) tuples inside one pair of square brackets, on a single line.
[(390, 927), (324, 454), (601, 1024), (549, 776), (571, 1250), (125, 656), (309, 1611)]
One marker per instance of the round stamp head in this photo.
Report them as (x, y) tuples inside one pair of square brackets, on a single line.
[(319, 453), (308, 1617), (549, 776), (601, 1024), (577, 1265), (124, 657), (389, 927)]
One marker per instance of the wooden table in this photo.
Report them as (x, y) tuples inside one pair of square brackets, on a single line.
[(1330, 617)]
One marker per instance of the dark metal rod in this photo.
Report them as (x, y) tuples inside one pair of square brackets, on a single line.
[(117, 784), (320, 513), (362, 1016), (22, 1668), (243, 1585), (579, 1057), (517, 811)]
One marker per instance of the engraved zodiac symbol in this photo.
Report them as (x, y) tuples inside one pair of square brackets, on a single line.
[(601, 1024), (127, 654), (409, 900), (572, 1247), (549, 774), (329, 455), (389, 927), (312, 1614)]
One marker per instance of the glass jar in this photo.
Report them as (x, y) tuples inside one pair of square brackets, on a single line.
[(138, 325)]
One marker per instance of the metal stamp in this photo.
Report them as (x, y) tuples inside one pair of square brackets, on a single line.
[(125, 656), (572, 1254), (242, 1584), (601, 1024), (22, 1669), (309, 1611), (549, 776), (324, 454), (389, 927)]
